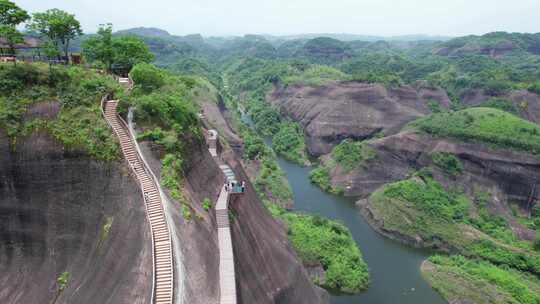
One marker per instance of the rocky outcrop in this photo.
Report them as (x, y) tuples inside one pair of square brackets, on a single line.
[(525, 102), (508, 176), (61, 211), (339, 110), (325, 49), (514, 173)]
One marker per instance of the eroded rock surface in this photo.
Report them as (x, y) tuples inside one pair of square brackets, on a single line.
[(61, 212), (509, 176), (339, 110)]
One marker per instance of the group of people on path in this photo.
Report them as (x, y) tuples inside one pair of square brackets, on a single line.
[(233, 186)]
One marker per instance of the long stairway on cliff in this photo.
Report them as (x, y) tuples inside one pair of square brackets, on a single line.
[(162, 290), (227, 277)]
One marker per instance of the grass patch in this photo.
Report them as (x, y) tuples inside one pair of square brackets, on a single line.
[(79, 125), (351, 154), (320, 176), (448, 162), (486, 125), (500, 103), (316, 75), (171, 169), (82, 127), (429, 197), (206, 204), (63, 280), (458, 278)]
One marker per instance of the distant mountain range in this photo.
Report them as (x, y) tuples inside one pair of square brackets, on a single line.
[(156, 32)]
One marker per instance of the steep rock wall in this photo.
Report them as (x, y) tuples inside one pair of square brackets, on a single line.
[(335, 111), (267, 269), (514, 173), (55, 206)]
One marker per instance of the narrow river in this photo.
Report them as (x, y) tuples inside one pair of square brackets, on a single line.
[(394, 268)]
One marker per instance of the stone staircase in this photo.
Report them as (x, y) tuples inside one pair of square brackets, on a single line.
[(227, 278), (163, 276)]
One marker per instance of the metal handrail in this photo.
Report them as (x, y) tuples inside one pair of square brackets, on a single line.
[(103, 100)]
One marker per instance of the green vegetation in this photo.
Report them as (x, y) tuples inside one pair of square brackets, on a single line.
[(206, 204), (272, 181), (266, 118), (84, 128), (58, 26), (448, 162), (289, 142), (535, 87), (419, 208), (458, 278), (316, 75), (351, 154), (325, 50), (10, 16), (319, 240), (118, 54), (105, 229), (165, 108), (171, 173), (429, 197), (63, 280), (168, 106), (487, 125), (320, 176), (501, 255), (186, 213), (254, 146), (78, 125), (434, 106), (502, 104), (147, 77)]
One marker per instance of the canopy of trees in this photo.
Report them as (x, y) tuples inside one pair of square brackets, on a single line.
[(116, 52), (10, 16), (58, 26)]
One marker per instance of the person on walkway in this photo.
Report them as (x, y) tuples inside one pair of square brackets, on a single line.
[(243, 186)]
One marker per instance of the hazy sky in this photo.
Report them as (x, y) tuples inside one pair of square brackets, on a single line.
[(369, 17)]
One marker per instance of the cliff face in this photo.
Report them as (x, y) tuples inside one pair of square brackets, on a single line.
[(513, 172), (61, 212), (333, 112), (267, 269)]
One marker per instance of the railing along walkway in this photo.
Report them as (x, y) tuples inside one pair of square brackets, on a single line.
[(162, 289), (227, 277)]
